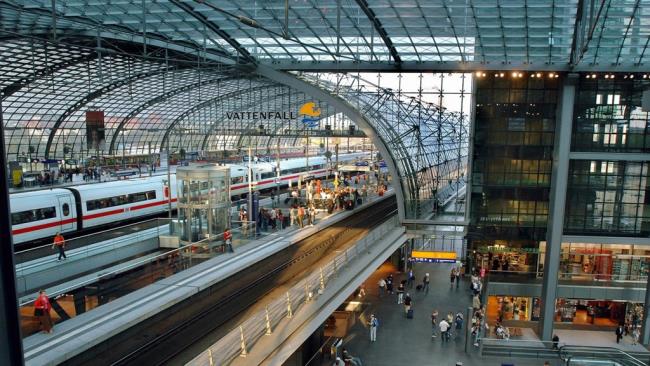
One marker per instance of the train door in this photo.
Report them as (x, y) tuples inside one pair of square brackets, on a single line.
[(67, 213)]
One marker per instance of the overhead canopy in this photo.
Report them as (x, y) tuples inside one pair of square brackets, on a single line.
[(360, 34)]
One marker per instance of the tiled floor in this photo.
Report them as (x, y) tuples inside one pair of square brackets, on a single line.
[(402, 341)]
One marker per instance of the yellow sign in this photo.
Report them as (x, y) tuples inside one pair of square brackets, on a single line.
[(427, 256)]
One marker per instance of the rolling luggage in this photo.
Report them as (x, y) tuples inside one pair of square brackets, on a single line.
[(409, 314)]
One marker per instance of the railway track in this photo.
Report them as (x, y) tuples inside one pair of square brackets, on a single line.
[(171, 336)]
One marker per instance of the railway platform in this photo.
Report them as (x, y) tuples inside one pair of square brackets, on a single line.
[(127, 311)]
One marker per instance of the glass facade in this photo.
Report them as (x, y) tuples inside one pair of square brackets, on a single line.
[(608, 115), (608, 197), (513, 143)]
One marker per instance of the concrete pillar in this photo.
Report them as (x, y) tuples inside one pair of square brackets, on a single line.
[(559, 178), (645, 331), (11, 346)]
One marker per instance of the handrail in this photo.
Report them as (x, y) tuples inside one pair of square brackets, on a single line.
[(543, 349), (72, 240), (240, 339), (596, 277), (567, 352)]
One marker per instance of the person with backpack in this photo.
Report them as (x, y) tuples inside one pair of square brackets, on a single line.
[(374, 324)]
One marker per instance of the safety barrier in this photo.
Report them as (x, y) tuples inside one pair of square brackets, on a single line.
[(238, 342)]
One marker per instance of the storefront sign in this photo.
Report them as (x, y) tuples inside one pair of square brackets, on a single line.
[(433, 257)]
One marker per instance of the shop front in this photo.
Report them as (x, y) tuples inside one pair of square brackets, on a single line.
[(598, 314)]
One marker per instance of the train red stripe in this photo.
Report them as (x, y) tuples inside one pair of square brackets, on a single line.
[(43, 226)]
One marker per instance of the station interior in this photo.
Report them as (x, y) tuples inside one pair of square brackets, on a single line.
[(325, 182)]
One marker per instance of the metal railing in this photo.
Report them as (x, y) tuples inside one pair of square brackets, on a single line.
[(238, 341), (579, 354), (568, 353), (503, 276)]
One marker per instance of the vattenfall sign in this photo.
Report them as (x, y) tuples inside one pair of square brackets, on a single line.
[(309, 112)]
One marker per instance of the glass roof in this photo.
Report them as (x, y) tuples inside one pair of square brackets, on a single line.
[(438, 34)]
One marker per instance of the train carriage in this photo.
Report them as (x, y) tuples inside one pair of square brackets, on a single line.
[(40, 214), (106, 203)]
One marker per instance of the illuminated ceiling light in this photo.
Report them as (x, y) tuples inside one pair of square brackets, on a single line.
[(539, 74), (501, 74), (612, 76), (632, 76), (593, 76), (478, 73), (606, 76), (587, 77), (645, 76)]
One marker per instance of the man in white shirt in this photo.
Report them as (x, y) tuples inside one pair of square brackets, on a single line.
[(444, 330)]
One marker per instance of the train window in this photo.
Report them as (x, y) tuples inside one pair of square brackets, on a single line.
[(66, 209), (38, 214), (120, 200), (268, 175)]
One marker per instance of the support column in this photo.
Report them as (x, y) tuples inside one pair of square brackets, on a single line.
[(645, 331), (560, 175), (11, 346)]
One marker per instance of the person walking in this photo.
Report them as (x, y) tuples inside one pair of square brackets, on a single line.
[(59, 243), (457, 277), (619, 333), (636, 333), (301, 216), (476, 303), (459, 324), (227, 240), (425, 283), (293, 214), (400, 293), (389, 284), (410, 278), (374, 324), (243, 218), (407, 303), (42, 308), (556, 341), (452, 277), (434, 323), (382, 286), (444, 330)]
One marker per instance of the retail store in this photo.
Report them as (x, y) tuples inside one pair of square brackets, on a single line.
[(599, 313), (584, 261)]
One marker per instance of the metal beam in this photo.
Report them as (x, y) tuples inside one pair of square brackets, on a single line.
[(247, 57), (159, 99), (559, 183), (202, 105), (595, 239), (40, 74), (363, 4), (448, 66), (349, 111), (609, 156), (89, 98), (11, 345)]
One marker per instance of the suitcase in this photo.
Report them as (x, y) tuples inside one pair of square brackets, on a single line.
[(409, 314), (418, 287)]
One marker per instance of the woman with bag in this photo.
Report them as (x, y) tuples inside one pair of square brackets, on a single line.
[(42, 308)]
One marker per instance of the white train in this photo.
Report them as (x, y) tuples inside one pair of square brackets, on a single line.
[(40, 214)]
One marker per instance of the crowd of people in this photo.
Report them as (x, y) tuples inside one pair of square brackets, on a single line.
[(304, 205), (447, 326)]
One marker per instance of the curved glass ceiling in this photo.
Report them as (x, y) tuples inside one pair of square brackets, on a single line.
[(362, 34)]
